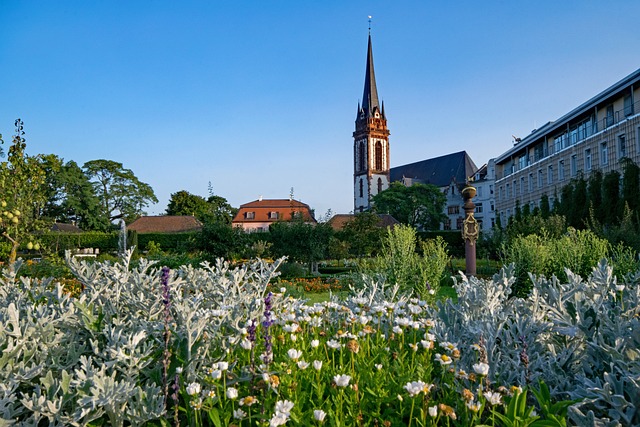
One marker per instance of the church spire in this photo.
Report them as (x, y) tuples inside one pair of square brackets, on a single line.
[(370, 94)]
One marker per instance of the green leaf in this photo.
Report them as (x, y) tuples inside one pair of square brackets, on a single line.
[(215, 417)]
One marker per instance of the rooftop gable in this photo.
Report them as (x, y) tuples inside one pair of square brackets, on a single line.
[(439, 171)]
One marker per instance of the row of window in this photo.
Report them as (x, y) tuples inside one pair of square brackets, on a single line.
[(270, 215), (573, 135), (530, 184)]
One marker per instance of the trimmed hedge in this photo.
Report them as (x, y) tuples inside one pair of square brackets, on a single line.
[(59, 242), (169, 241)]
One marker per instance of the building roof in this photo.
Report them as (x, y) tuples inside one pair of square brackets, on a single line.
[(553, 126), (165, 224), (65, 228), (263, 207), (439, 171), (338, 221)]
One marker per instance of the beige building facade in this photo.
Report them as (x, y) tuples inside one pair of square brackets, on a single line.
[(594, 136)]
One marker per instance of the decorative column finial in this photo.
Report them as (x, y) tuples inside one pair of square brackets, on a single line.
[(370, 24), (470, 230)]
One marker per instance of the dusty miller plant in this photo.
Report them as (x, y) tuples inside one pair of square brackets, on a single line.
[(582, 338)]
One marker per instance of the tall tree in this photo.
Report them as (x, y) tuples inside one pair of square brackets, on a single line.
[(363, 234), (213, 209), (594, 195), (71, 196), (22, 193), (121, 193), (185, 203), (300, 241), (611, 197), (419, 205), (630, 184)]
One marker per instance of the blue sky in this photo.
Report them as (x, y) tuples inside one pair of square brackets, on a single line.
[(257, 97)]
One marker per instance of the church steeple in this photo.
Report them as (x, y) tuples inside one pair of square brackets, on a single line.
[(370, 94), (371, 142)]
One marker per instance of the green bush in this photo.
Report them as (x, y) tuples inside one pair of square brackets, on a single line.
[(56, 242), (541, 254), (400, 263)]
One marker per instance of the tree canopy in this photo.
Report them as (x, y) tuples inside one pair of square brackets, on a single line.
[(121, 193), (213, 209), (419, 205)]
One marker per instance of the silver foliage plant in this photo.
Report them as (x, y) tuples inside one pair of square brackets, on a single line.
[(582, 338), (68, 361)]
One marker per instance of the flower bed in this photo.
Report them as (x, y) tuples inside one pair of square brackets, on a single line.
[(223, 350)]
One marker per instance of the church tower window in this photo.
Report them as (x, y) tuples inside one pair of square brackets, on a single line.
[(361, 162), (379, 185), (361, 187), (378, 156)]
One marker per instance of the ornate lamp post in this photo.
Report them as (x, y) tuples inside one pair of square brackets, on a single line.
[(470, 230)]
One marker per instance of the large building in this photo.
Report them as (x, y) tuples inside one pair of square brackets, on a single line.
[(594, 136), (370, 143), (260, 214)]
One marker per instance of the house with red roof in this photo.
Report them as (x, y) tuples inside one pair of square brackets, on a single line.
[(260, 214)]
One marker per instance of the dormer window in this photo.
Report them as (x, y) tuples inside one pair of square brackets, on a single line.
[(249, 215), (273, 215)]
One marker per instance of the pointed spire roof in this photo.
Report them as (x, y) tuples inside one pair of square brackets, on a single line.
[(370, 95)]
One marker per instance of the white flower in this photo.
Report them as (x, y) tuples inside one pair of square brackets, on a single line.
[(341, 380), (283, 290), (179, 370), (278, 419), (303, 365), (193, 389), (232, 393), (284, 407), (245, 344), (481, 368), (492, 398), (294, 354), (433, 411), (400, 398), (333, 344), (397, 330), (315, 343), (223, 366), (317, 365), (620, 288), (293, 337), (378, 366), (443, 359), (216, 374), (475, 407), (416, 387), (319, 415), (239, 414)]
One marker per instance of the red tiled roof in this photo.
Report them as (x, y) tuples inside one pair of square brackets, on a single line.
[(262, 210), (165, 224)]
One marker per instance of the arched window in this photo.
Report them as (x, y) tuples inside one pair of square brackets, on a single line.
[(378, 161), (379, 185), (361, 187), (361, 164)]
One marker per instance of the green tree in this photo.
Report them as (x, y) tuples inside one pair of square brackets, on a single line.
[(545, 208), (185, 203), (611, 197), (22, 194), (70, 196), (300, 241), (419, 205), (579, 211), (363, 234), (594, 195), (630, 184), (121, 193), (221, 240), (220, 210)]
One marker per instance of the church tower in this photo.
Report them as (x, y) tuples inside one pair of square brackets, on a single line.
[(370, 143)]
